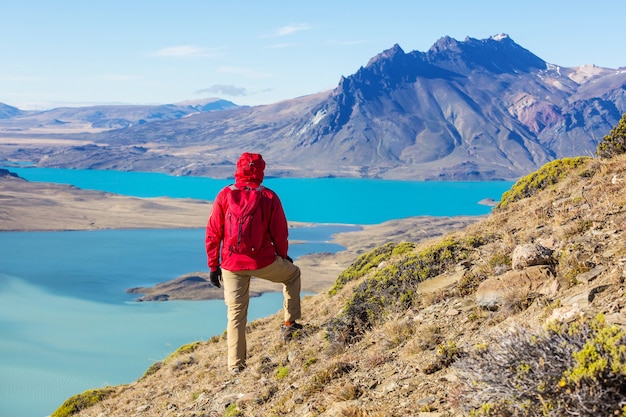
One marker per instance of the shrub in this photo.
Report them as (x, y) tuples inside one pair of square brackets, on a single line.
[(153, 369), (282, 372), (550, 174), (615, 142), (393, 288), (447, 354), (579, 369), (367, 261), (233, 411), (79, 402)]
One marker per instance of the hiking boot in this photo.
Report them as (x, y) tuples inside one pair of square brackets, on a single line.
[(288, 331), (237, 370)]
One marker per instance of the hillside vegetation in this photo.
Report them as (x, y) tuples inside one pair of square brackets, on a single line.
[(521, 313)]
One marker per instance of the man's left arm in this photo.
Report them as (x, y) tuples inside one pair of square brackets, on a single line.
[(214, 234)]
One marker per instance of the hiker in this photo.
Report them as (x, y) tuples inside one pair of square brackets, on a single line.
[(246, 236)]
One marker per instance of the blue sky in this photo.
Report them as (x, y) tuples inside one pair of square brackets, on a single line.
[(81, 52)]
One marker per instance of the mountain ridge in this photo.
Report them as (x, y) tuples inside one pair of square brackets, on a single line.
[(463, 110)]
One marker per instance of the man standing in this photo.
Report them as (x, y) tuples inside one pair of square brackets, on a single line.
[(246, 236)]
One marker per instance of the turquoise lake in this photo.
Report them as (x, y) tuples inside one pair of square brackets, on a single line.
[(67, 324), (320, 200)]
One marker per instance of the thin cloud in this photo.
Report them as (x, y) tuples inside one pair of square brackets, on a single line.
[(116, 77), (281, 45), (247, 72), (224, 89), (186, 51), (346, 43), (22, 78), (291, 29)]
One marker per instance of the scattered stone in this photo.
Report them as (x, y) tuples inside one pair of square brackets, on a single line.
[(616, 318), (590, 275), (338, 408), (596, 290), (580, 300), (391, 387), (427, 400), (500, 290), (565, 314), (531, 254), (229, 399)]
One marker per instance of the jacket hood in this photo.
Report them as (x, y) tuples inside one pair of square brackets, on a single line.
[(250, 170)]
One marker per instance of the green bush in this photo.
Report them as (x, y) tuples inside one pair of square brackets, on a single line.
[(550, 174), (367, 261), (577, 370), (615, 142), (394, 288), (233, 411), (79, 402)]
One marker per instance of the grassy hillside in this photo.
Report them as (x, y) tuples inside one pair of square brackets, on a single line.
[(406, 330)]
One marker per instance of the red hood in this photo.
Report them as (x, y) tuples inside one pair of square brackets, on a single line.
[(250, 170)]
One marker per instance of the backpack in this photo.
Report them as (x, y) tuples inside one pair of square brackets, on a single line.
[(244, 225)]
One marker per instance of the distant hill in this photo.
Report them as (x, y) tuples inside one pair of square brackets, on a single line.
[(104, 117), (463, 110), (6, 111)]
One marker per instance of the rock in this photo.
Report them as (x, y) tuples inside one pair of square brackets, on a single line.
[(338, 408), (580, 300), (565, 314), (616, 318), (229, 399), (513, 285), (585, 277), (7, 173), (531, 254)]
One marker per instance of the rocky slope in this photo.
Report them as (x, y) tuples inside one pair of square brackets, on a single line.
[(391, 336), (472, 109)]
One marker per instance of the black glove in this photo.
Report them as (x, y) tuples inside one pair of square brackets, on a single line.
[(289, 259), (216, 277)]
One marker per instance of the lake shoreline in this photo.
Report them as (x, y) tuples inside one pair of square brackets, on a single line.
[(37, 206)]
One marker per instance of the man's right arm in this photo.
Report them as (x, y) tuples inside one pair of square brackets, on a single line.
[(279, 228)]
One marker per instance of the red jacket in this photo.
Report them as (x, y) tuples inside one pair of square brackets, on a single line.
[(249, 173)]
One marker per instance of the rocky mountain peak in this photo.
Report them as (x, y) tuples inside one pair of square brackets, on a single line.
[(445, 43), (498, 54), (387, 55)]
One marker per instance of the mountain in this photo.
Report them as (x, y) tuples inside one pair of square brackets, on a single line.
[(6, 111), (207, 105), (463, 110), (520, 312), (478, 109), (105, 117)]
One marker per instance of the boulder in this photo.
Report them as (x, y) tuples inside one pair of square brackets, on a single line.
[(515, 284), (531, 254)]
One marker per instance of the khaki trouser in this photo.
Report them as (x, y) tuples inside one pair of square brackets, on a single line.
[(237, 295)]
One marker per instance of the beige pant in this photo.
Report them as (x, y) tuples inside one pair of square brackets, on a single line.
[(237, 295)]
